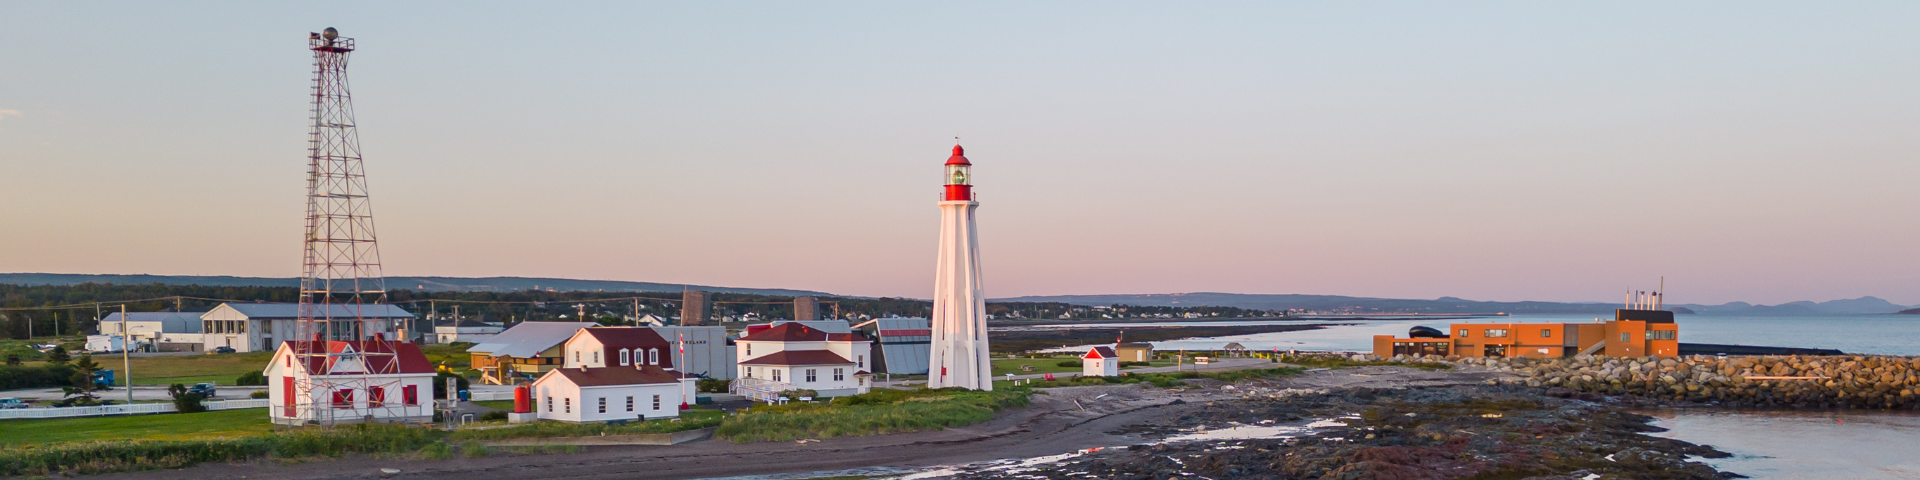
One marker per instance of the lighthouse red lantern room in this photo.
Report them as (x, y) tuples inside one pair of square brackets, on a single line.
[(959, 177)]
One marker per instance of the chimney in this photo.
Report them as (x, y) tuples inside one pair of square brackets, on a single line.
[(379, 337)]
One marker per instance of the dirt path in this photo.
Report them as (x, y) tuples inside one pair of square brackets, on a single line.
[(1065, 420)]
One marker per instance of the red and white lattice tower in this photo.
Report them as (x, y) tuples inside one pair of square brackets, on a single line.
[(342, 287)]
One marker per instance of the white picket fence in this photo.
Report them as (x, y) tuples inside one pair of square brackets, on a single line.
[(134, 409)]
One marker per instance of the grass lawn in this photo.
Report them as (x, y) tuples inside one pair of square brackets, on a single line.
[(453, 356), (246, 422), (1002, 366), (501, 405), (220, 369)]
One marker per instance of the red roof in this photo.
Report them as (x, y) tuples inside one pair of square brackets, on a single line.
[(959, 157), (799, 357), (380, 356), (799, 332), (604, 376), (1100, 352), (626, 336)]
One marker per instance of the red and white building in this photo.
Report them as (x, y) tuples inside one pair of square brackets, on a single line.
[(795, 356), (618, 346), (1100, 362), (601, 394), (354, 382)]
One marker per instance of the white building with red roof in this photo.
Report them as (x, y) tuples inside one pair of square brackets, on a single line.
[(603, 394), (1100, 362), (622, 346), (795, 356), (343, 381)]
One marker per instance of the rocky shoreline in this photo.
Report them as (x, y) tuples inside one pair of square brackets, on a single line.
[(1789, 381), (1504, 431)]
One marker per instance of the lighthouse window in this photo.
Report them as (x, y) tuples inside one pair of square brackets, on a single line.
[(956, 174)]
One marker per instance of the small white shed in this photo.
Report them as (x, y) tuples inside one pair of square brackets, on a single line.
[(1100, 362)]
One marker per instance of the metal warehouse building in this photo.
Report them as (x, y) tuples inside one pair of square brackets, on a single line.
[(901, 344)]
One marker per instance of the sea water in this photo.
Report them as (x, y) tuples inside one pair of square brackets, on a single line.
[(1801, 444)]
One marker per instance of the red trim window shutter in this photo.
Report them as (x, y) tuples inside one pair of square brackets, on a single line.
[(410, 394), (343, 398), (376, 396)]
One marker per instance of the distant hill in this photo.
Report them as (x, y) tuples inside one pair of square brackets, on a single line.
[(1862, 305), (1336, 303), (431, 284), (1324, 303)]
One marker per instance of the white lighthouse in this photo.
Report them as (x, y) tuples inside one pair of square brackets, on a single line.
[(959, 350)]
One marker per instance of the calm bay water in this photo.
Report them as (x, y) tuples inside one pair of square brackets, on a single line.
[(1804, 445), (1871, 334)]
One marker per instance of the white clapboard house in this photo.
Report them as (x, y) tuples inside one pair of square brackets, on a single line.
[(604, 394), (797, 356)]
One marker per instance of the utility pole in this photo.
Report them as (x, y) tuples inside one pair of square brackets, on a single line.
[(126, 361)]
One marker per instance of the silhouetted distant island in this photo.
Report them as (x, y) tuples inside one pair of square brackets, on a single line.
[(1910, 311), (1683, 311)]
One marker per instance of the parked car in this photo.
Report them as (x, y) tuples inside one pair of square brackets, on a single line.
[(220, 350), (204, 389), (10, 403)]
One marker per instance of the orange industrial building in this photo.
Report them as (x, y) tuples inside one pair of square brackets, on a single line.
[(1632, 333)]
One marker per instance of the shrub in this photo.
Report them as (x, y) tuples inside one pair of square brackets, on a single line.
[(709, 385), (1069, 363), (58, 355), (259, 394), (692, 420), (796, 395), (185, 401), (473, 450), (437, 451), (494, 415), (252, 378), (1135, 364), (440, 384), (39, 376)]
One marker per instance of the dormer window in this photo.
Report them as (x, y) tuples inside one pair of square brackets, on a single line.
[(653, 356), (626, 356)]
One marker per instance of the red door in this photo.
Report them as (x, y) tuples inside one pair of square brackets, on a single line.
[(287, 394)]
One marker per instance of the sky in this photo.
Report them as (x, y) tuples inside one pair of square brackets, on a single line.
[(1561, 151)]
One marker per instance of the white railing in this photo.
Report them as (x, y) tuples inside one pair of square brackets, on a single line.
[(134, 409), (760, 390)]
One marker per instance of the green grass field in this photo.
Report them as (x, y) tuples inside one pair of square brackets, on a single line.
[(1049, 365), (247, 422)]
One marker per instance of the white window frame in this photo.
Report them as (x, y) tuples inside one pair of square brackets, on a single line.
[(813, 375), (549, 404), (629, 403), (653, 356), (776, 374), (603, 404), (656, 403), (626, 357), (569, 404), (839, 374)]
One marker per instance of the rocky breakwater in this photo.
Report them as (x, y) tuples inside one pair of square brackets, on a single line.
[(1871, 382)]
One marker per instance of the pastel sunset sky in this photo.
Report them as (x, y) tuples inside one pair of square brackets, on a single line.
[(1756, 151)]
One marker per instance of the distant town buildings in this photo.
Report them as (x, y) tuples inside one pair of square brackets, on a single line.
[(261, 327)]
